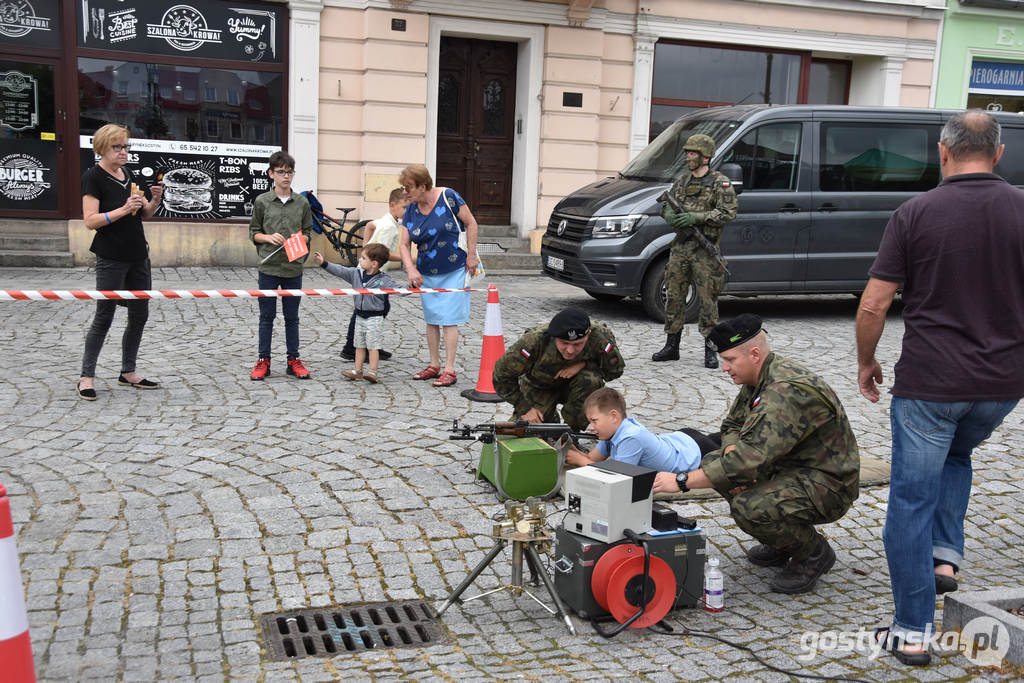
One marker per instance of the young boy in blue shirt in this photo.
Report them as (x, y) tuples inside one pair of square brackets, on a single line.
[(623, 438)]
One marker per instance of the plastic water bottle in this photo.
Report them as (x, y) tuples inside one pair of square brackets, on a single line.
[(714, 587)]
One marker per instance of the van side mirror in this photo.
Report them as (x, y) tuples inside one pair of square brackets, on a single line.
[(734, 173)]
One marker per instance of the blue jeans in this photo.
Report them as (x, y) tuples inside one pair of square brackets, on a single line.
[(928, 495), (268, 311)]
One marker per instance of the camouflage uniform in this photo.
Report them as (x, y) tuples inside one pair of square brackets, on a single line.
[(525, 375), (712, 198), (796, 453)]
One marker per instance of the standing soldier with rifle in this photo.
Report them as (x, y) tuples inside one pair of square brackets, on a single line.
[(697, 206)]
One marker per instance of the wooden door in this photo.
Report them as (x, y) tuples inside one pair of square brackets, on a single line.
[(475, 126)]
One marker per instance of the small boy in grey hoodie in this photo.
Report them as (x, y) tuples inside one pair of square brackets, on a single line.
[(370, 309)]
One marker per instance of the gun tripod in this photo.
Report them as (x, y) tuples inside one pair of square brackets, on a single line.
[(525, 528)]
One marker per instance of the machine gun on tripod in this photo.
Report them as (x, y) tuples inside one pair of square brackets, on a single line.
[(522, 459)]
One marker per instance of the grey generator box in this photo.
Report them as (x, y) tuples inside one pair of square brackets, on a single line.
[(606, 497), (575, 556)]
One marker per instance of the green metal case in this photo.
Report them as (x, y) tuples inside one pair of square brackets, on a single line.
[(525, 467)]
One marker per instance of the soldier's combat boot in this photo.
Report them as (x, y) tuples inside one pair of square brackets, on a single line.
[(671, 349), (710, 357), (799, 576), (767, 556)]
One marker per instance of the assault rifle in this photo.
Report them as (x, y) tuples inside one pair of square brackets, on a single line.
[(487, 431), (666, 198)]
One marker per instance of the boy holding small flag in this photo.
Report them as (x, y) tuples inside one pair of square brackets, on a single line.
[(280, 216)]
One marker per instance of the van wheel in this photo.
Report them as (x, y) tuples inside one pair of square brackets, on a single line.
[(605, 297), (653, 295)]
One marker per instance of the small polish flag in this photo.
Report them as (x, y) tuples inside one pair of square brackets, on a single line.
[(295, 246), (524, 352), (608, 348)]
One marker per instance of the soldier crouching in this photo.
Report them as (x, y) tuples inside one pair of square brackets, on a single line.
[(788, 461), (562, 362)]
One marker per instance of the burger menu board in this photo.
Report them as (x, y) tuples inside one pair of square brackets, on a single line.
[(202, 180)]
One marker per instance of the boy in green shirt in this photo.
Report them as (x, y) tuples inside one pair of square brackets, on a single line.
[(277, 215)]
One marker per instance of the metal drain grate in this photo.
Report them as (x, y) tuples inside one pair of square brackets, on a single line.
[(341, 630)]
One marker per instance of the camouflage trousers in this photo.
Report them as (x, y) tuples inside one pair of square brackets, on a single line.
[(570, 393), (690, 261), (782, 512)]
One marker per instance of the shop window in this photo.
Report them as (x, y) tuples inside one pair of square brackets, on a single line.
[(166, 107), (697, 76), (769, 156), (726, 75), (874, 157), (828, 82)]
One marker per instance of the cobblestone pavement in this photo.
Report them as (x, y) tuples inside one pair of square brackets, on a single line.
[(155, 527)]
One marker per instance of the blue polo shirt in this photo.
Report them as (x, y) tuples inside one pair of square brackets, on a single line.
[(673, 452)]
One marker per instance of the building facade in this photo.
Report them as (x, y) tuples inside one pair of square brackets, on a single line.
[(515, 103), (981, 60)]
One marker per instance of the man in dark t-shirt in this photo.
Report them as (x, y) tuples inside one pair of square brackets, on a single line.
[(957, 252)]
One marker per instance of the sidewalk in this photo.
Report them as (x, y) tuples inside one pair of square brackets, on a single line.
[(156, 527)]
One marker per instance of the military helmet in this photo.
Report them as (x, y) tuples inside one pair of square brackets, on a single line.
[(700, 143)]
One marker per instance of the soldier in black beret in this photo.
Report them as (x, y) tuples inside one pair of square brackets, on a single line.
[(788, 461), (562, 362)]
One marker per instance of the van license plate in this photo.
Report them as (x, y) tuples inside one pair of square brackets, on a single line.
[(556, 263)]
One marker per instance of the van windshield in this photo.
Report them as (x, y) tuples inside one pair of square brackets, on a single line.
[(664, 159)]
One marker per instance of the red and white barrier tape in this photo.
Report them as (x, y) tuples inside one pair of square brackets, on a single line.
[(129, 295)]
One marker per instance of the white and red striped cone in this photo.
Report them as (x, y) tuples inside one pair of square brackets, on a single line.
[(494, 348), (16, 665)]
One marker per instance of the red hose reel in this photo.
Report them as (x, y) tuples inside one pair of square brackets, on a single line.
[(618, 583)]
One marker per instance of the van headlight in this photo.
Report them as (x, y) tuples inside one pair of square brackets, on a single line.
[(615, 226)]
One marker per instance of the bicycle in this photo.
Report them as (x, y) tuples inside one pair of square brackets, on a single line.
[(346, 241)]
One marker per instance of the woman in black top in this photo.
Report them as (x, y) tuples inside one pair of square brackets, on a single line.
[(113, 205)]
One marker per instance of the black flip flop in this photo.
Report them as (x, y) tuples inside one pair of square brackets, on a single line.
[(892, 644)]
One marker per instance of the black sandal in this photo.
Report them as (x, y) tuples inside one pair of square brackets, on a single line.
[(85, 394), (893, 643), (141, 384), (945, 584)]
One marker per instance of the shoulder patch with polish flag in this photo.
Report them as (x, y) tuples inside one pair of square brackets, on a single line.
[(608, 348), (524, 352), (753, 404)]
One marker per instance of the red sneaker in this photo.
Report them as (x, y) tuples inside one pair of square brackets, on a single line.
[(296, 368), (261, 370)]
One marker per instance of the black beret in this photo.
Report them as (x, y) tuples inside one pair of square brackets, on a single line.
[(570, 324), (729, 333)]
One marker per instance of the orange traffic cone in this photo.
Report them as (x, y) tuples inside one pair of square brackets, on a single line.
[(494, 348), (16, 665)]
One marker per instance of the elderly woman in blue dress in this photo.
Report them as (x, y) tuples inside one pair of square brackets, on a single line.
[(432, 220)]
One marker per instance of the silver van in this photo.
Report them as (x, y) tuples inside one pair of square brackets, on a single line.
[(817, 186)]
